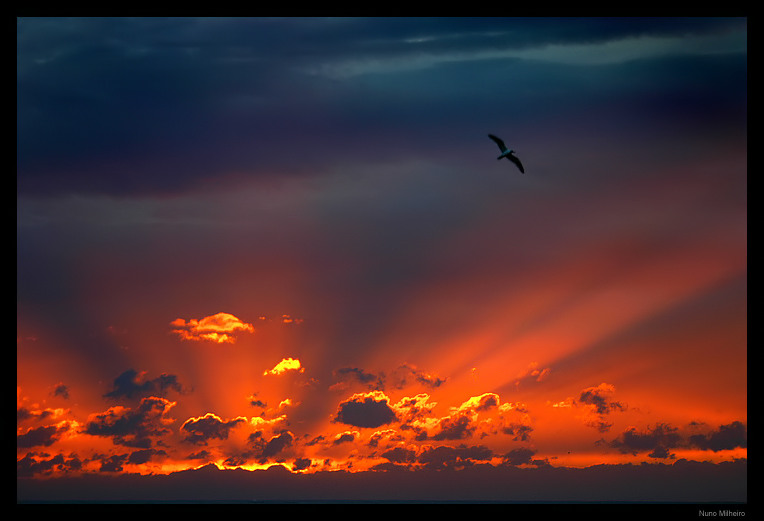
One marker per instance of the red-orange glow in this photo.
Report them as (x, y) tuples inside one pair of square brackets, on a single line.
[(499, 392)]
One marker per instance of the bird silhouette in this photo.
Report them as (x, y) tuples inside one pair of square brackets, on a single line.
[(506, 152)]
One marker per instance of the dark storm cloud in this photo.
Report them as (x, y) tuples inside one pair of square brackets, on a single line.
[(598, 401), (407, 374), (143, 456), (519, 456), (399, 378), (457, 428), (208, 427), (125, 105), (598, 397), (265, 450), (40, 436), (131, 385), (301, 464), (62, 391), (365, 410), (345, 437), (683, 481), (449, 457), (201, 455), (400, 455), (657, 440), (38, 464), (114, 463), (728, 436), (518, 431), (132, 427), (24, 413), (348, 375)]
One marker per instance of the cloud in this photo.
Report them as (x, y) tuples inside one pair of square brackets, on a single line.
[(403, 375), (598, 398), (412, 410), (657, 441), (532, 375), (254, 401), (143, 456), (114, 463), (203, 454), (287, 364), (264, 451), (301, 464), (519, 456), (370, 409), (453, 457), (132, 427), (347, 376), (219, 328), (62, 391), (36, 464), (132, 384), (41, 436), (345, 437), (287, 65), (455, 428), (463, 420), (400, 455), (597, 405), (480, 416), (518, 431), (25, 413), (210, 426), (727, 437), (480, 403)]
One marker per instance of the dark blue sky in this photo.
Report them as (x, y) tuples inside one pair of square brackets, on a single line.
[(120, 106)]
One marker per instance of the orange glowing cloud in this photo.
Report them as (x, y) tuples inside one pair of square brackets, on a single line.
[(218, 328), (287, 364)]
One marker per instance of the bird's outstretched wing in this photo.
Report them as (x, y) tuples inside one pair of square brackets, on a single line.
[(499, 142), (516, 161)]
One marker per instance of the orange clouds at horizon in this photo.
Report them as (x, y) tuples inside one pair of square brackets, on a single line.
[(602, 359), (371, 429), (522, 379)]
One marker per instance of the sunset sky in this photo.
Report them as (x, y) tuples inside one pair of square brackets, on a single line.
[(253, 242)]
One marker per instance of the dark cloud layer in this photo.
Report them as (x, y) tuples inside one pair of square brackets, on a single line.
[(151, 105), (659, 440), (682, 481), (726, 437)]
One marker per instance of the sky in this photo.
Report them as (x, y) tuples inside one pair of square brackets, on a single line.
[(248, 243)]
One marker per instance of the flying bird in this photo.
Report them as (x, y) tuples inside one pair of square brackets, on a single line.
[(508, 153)]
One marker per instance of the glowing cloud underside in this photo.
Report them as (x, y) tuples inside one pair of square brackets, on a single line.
[(287, 364), (218, 328)]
